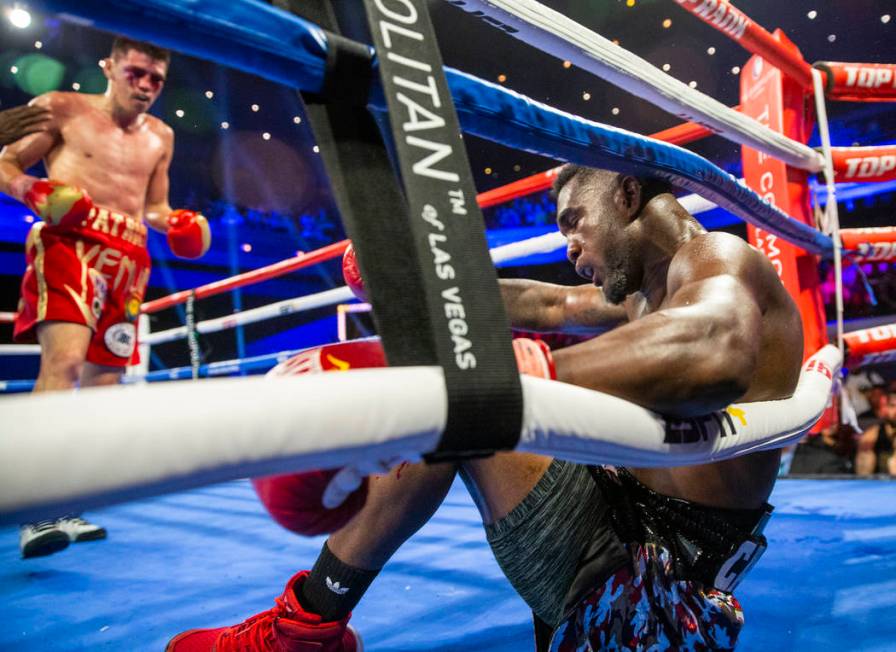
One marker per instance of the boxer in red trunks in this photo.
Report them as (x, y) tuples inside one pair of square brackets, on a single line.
[(87, 263)]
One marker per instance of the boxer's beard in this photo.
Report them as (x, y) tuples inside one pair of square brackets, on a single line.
[(616, 281)]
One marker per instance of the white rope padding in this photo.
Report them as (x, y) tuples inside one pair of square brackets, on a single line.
[(63, 451), (557, 35), (270, 311), (19, 349)]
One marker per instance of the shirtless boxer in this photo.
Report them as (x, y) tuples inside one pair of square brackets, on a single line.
[(606, 558), (87, 263)]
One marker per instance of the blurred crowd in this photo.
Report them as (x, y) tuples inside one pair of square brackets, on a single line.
[(844, 450)]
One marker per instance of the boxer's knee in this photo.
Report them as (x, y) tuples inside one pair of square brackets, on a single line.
[(60, 369), (501, 482), (63, 351)]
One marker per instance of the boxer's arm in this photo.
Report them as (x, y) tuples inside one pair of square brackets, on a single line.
[(696, 355), (157, 207), (549, 308), (17, 157)]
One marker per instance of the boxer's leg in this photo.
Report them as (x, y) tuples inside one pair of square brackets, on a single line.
[(97, 375), (398, 504), (63, 349), (542, 518)]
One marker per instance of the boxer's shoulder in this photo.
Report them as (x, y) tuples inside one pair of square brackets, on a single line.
[(714, 254), (60, 104)]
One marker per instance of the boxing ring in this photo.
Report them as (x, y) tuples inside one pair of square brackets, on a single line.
[(401, 411)]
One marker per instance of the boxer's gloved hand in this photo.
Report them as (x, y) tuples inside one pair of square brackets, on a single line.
[(297, 501), (352, 274), (533, 358), (294, 502), (188, 233), (54, 202)]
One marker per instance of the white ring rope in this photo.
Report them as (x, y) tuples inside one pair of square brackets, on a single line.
[(559, 36), (111, 444), (19, 349), (278, 309), (832, 214)]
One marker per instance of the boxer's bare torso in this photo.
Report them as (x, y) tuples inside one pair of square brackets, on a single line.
[(84, 146), (708, 323), (106, 144)]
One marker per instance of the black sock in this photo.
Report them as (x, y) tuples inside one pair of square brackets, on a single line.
[(333, 588)]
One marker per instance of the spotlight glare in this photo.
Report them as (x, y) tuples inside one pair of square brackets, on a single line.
[(488, 170), (568, 64), (246, 247), (76, 86), (179, 113), (38, 45), (667, 23), (209, 94), (586, 96), (502, 78), (255, 108), (666, 67), (266, 136), (832, 38), (315, 149), (812, 14), (615, 110), (14, 69), (692, 84), (225, 125), (735, 70), (297, 120), (710, 50), (885, 19), (19, 17)]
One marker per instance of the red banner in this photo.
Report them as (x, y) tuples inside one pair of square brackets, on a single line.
[(779, 103), (864, 163), (859, 82)]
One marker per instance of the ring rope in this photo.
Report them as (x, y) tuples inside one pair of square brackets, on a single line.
[(485, 109), (258, 426), (555, 34)]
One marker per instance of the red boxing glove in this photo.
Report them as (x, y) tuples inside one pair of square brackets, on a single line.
[(58, 204), (188, 233), (533, 358), (352, 274), (295, 501)]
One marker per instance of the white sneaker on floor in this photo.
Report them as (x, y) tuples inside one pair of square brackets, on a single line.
[(42, 538), (79, 529)]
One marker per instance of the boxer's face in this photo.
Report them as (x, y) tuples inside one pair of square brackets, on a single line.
[(135, 80), (592, 214)]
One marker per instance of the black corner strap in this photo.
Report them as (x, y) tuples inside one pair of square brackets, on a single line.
[(349, 73), (421, 244), (468, 324)]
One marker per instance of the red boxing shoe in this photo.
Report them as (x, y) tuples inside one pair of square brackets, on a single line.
[(285, 628)]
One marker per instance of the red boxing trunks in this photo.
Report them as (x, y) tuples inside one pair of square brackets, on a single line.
[(94, 275)]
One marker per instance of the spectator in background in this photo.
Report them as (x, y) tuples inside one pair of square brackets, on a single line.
[(875, 450), (829, 452)]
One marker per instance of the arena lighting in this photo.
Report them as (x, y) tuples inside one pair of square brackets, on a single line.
[(19, 17)]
